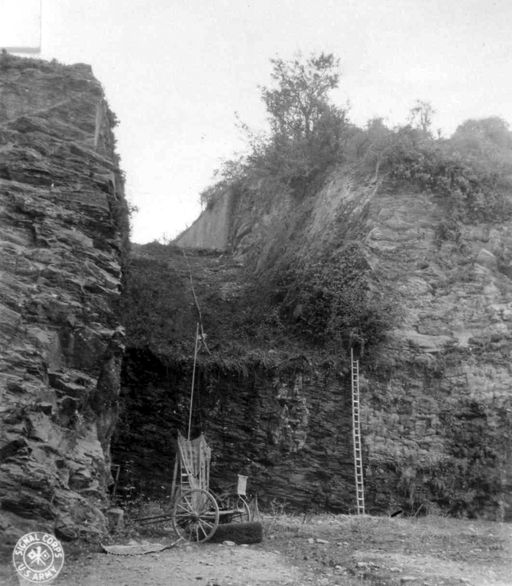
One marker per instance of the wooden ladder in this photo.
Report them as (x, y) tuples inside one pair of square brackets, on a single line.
[(356, 434)]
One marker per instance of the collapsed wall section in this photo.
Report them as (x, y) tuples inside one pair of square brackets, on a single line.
[(64, 231), (268, 409)]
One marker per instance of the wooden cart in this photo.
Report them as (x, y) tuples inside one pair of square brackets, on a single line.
[(197, 511)]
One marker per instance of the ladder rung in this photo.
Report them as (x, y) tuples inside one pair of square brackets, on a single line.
[(356, 435)]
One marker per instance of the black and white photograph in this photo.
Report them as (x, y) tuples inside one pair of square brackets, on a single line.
[(256, 292)]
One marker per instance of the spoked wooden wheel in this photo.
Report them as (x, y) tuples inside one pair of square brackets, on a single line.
[(196, 515), (240, 511)]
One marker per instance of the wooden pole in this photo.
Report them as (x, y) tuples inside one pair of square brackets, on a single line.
[(174, 477), (193, 383)]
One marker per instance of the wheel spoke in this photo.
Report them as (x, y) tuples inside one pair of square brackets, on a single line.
[(179, 505), (205, 533), (184, 524), (184, 507), (205, 507), (203, 520), (210, 526), (195, 515)]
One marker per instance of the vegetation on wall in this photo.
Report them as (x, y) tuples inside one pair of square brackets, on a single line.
[(328, 300), (470, 479), (317, 300), (308, 134), (471, 171), (305, 134)]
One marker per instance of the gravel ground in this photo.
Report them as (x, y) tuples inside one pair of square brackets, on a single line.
[(323, 551)]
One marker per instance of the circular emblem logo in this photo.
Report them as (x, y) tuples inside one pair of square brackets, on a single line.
[(38, 557)]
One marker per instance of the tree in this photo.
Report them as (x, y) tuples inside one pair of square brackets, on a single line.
[(306, 127), (487, 143), (307, 132), (301, 99), (420, 116), (484, 134)]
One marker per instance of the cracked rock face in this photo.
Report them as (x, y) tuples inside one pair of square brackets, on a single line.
[(436, 406), (62, 226)]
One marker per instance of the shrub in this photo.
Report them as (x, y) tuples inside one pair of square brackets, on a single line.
[(306, 130), (329, 301)]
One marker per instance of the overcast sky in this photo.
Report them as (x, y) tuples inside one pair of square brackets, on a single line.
[(175, 72)]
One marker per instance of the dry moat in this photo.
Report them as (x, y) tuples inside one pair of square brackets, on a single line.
[(98, 337)]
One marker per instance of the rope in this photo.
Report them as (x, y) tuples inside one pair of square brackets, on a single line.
[(200, 339), (202, 334), (193, 381)]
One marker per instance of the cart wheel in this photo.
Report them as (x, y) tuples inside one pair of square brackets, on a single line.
[(196, 515), (240, 508)]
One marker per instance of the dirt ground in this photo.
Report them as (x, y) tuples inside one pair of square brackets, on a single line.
[(321, 551)]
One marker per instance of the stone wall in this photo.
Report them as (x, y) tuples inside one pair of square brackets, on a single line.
[(212, 229), (436, 395), (288, 429), (63, 229)]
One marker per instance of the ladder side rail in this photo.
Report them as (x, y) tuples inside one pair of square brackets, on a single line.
[(356, 435)]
